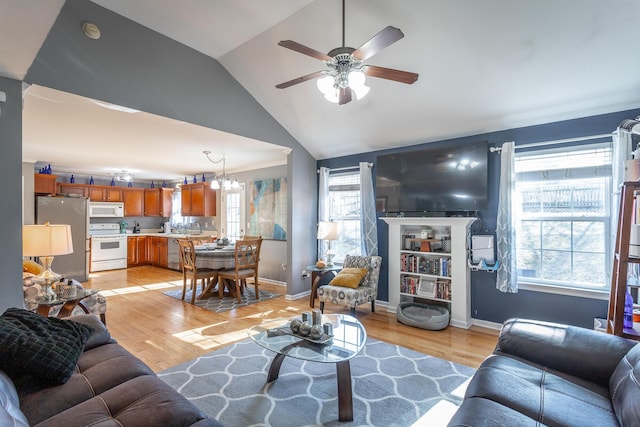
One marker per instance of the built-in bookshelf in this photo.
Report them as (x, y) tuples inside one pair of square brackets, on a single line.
[(428, 261)]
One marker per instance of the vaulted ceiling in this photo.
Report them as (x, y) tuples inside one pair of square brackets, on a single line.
[(483, 66)]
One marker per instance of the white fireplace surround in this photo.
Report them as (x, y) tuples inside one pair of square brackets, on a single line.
[(460, 282)]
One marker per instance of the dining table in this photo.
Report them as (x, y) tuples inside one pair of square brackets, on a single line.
[(215, 257)]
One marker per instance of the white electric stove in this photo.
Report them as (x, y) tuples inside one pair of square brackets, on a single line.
[(108, 247)]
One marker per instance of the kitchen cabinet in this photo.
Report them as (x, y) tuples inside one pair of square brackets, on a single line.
[(198, 200), (105, 194), (67, 188), (160, 251), (44, 183), (137, 251), (158, 201), (133, 199)]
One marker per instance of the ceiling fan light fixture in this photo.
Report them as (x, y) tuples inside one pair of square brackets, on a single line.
[(332, 95), (347, 71), (356, 82), (124, 176), (325, 84), (361, 91)]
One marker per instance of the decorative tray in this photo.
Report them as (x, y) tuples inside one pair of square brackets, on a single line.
[(287, 330)]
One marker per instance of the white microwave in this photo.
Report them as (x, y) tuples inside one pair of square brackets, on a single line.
[(106, 209)]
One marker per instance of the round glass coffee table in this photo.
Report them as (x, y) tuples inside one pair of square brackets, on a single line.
[(346, 342)]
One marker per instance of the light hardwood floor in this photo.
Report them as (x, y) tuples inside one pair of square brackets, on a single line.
[(164, 332)]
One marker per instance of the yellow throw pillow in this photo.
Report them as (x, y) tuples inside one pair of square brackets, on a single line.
[(33, 267), (349, 277)]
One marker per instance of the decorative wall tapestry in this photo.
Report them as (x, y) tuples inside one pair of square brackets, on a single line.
[(268, 210)]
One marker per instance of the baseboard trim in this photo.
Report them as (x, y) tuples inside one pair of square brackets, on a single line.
[(486, 324), (304, 294), (272, 282)]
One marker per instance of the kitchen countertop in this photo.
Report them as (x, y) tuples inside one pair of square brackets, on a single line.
[(157, 233)]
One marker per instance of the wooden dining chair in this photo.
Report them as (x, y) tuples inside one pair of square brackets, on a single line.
[(247, 257), (190, 271)]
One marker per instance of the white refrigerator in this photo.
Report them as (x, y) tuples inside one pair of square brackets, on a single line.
[(75, 212)]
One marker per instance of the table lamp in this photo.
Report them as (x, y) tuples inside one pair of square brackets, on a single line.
[(328, 231), (46, 241)]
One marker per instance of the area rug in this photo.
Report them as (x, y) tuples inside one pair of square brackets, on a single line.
[(392, 386), (226, 303)]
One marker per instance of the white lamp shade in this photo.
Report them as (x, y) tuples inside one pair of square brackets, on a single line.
[(356, 79), (327, 230), (46, 240), (325, 84)]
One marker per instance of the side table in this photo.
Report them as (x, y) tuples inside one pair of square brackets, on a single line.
[(68, 304), (316, 275)]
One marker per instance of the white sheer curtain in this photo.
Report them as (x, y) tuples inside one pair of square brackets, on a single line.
[(621, 151), (368, 220), (323, 203), (507, 275)]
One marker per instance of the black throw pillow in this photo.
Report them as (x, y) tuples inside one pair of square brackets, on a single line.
[(44, 347)]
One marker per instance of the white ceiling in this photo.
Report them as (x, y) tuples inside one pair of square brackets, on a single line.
[(483, 65)]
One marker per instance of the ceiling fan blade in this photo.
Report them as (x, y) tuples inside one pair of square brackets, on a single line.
[(290, 44), (345, 96), (375, 44), (390, 74), (300, 79)]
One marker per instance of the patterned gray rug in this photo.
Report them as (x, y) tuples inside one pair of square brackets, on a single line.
[(392, 386), (226, 303)]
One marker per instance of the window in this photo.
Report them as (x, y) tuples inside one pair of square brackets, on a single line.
[(232, 216), (344, 208), (562, 216)]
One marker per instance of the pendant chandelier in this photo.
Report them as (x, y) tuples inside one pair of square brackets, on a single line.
[(223, 181)]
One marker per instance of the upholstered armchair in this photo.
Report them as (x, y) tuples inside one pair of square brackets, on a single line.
[(365, 291)]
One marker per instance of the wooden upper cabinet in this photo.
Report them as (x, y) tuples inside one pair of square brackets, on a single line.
[(105, 194), (151, 202), (44, 183), (198, 200), (166, 202), (158, 202), (66, 188), (133, 199)]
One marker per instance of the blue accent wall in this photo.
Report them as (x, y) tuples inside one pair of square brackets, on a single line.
[(487, 303)]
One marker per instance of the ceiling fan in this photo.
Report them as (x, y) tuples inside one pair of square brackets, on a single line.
[(346, 69)]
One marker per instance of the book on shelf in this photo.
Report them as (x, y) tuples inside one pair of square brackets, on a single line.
[(409, 284), (424, 264), (428, 288), (443, 290)]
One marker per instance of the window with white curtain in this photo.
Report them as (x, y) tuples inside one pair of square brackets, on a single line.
[(562, 216), (344, 208)]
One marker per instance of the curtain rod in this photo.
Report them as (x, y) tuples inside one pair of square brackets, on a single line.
[(344, 168), (555, 142)]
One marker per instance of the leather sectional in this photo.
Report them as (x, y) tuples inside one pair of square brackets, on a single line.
[(108, 386), (547, 374)]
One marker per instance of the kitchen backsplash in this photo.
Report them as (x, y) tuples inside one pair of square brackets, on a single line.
[(148, 223)]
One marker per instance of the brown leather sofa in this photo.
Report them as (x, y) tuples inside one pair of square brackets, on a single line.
[(109, 387), (548, 374)]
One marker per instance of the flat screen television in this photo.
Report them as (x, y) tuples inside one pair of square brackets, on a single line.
[(446, 179)]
